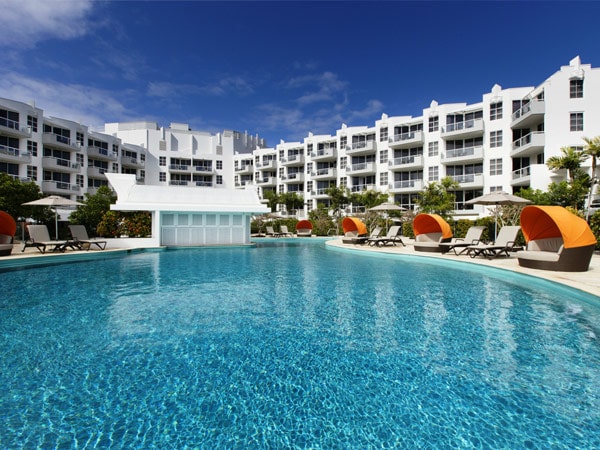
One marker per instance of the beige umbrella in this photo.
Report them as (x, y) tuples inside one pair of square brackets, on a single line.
[(498, 198), (53, 201), (385, 207)]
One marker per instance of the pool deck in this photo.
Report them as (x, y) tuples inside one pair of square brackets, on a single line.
[(586, 281)]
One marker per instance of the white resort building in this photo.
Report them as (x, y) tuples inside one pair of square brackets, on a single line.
[(500, 143)]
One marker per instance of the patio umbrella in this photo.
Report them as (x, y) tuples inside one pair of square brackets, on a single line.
[(385, 207), (498, 198), (53, 201)]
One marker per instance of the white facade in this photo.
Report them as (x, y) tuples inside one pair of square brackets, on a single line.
[(500, 143)]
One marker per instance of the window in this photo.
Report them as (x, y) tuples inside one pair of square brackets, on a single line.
[(309, 186), (495, 188), (433, 148), (79, 158), (496, 138), (343, 182), (32, 122), (32, 148), (219, 179), (219, 164), (32, 173), (496, 111), (576, 88), (383, 179), (115, 168), (383, 156), (577, 121), (496, 166), (434, 173), (343, 141), (79, 180), (383, 134), (434, 123), (343, 162), (162, 161), (162, 177)]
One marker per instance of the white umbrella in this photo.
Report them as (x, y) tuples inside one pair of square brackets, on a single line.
[(498, 198), (385, 207), (53, 201)]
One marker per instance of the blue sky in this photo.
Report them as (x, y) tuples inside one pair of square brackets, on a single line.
[(279, 69)]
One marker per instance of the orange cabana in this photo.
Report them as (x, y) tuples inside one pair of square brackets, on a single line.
[(354, 225), (304, 228), (304, 225), (431, 223), (430, 230), (556, 239), (8, 228)]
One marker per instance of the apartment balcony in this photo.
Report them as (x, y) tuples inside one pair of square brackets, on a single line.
[(180, 168), (60, 142), (96, 172), (247, 169), (463, 155), (319, 193), (129, 161), (324, 174), (14, 129), (60, 165), (367, 168), (14, 155), (265, 165), (180, 183), (406, 162), (267, 181), (530, 114), (471, 180), (521, 177), (102, 154), (325, 154), (202, 183), (530, 144), (405, 140), (463, 130), (361, 148), (297, 177), (293, 160), (406, 186), (243, 183), (363, 187), (59, 187), (204, 169)]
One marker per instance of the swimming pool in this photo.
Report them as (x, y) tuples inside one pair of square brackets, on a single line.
[(291, 345)]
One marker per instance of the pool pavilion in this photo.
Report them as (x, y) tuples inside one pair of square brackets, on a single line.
[(190, 217)]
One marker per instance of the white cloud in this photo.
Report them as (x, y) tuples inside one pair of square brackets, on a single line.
[(225, 86), (84, 104), (26, 22)]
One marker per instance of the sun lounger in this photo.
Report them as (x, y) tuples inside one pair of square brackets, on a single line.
[(40, 239), (352, 237), (81, 238), (471, 238), (505, 243), (391, 238), (271, 232), (283, 231)]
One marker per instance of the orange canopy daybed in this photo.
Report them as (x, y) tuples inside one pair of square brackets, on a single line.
[(355, 231), (304, 228), (8, 228), (556, 240), (430, 230)]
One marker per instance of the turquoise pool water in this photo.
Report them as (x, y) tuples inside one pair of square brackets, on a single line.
[(291, 345)]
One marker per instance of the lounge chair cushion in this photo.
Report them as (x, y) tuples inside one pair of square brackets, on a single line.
[(546, 245), (428, 237), (5, 239)]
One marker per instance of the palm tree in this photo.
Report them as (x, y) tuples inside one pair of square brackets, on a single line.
[(570, 159), (592, 150)]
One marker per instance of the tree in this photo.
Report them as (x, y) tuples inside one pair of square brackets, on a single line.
[(569, 194), (291, 200), (592, 150), (570, 160), (93, 209), (272, 199), (339, 198), (13, 193), (437, 197), (369, 198)]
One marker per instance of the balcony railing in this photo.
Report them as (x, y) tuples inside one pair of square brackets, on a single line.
[(324, 153), (467, 153), (61, 141), (13, 128), (529, 144), (50, 162), (472, 127), (102, 152), (415, 184), (14, 154), (410, 137), (362, 187), (415, 160), (470, 178), (361, 168)]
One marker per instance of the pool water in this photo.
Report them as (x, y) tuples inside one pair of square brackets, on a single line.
[(292, 345)]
